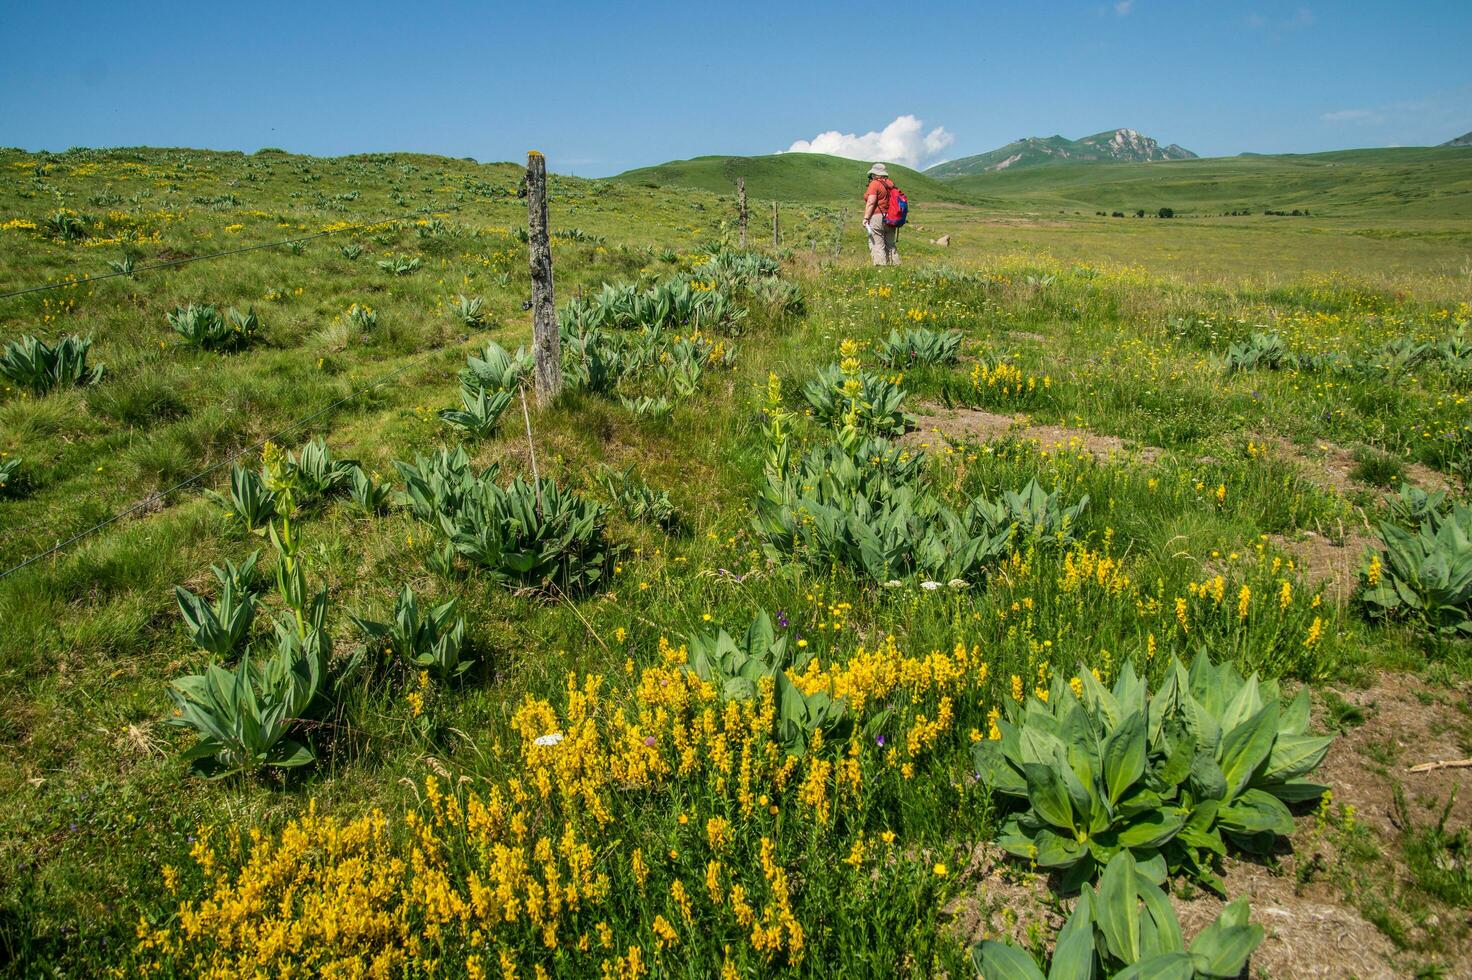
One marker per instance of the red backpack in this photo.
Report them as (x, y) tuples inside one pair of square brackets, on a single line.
[(898, 211)]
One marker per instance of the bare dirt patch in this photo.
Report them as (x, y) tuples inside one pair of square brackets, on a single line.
[(1322, 561), (1313, 929), (937, 425), (1406, 722), (1004, 902), (1332, 466), (1306, 932)]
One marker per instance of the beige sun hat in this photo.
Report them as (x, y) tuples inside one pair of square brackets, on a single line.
[(878, 170)]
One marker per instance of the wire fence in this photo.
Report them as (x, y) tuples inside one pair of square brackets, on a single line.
[(172, 263), (155, 499)]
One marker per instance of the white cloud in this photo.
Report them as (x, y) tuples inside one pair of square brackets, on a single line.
[(903, 141), (1367, 116), (1302, 17), (1124, 7)]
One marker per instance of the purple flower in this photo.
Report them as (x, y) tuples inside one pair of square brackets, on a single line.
[(781, 619), (879, 740), (649, 741)]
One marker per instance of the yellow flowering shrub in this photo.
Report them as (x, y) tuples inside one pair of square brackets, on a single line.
[(534, 870)]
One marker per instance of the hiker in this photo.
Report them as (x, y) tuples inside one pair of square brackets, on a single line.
[(882, 235)]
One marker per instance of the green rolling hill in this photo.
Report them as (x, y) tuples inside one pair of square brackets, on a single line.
[(1423, 182), (798, 178), (1415, 182)]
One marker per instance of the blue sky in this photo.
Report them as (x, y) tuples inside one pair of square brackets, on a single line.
[(601, 87)]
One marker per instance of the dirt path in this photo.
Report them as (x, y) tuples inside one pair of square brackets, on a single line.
[(1322, 560)]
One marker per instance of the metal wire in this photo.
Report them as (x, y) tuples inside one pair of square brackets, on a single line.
[(63, 284), (155, 498)]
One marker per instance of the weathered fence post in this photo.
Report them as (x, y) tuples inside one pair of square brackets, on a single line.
[(546, 345), (776, 229), (741, 206)]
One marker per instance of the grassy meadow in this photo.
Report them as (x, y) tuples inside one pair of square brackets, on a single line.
[(757, 613)]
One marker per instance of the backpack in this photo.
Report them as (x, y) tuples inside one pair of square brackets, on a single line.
[(898, 211)]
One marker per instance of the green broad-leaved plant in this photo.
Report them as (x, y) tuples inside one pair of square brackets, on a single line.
[(1455, 353), (1399, 355), (1094, 781), (313, 474), (439, 483), (221, 626), (675, 303), (206, 328), (867, 402), (256, 714), (9, 475), (366, 494), (434, 641), (638, 500), (736, 666), (1250, 756), (654, 408), (249, 500), (482, 411), (1425, 565), (740, 669), (1412, 507), (780, 295), (1127, 929), (242, 725), (400, 265), (678, 376), (537, 536), (594, 360), (738, 268), (918, 347), (1261, 350), (869, 505), (496, 369), (469, 310), (1036, 513), (1211, 760), (39, 367)]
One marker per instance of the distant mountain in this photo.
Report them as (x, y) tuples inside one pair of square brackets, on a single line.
[(1115, 145), (1464, 140)]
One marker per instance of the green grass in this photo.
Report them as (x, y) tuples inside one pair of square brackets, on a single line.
[(1125, 319), (1425, 183)]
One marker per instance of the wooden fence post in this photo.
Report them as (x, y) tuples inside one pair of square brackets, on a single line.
[(776, 229), (546, 344), (741, 206)]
